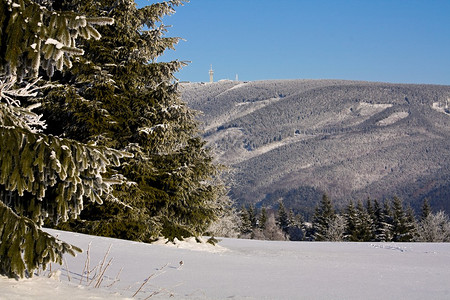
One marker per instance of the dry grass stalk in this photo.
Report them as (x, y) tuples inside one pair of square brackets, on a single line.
[(86, 264), (102, 273), (116, 278), (148, 279), (67, 269)]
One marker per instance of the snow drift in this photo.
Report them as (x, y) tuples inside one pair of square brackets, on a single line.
[(245, 269)]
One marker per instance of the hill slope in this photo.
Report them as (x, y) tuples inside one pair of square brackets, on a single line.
[(243, 269), (295, 139)]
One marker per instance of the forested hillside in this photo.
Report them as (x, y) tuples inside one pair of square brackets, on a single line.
[(297, 139)]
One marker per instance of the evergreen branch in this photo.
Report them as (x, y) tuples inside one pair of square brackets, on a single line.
[(37, 163), (35, 36), (24, 247), (9, 93), (100, 21), (12, 112), (152, 14)]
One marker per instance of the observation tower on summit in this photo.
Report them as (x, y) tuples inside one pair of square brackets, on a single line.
[(211, 74)]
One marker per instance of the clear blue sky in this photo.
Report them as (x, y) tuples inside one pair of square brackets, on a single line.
[(401, 41)]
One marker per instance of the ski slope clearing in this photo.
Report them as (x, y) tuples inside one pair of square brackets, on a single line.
[(244, 269)]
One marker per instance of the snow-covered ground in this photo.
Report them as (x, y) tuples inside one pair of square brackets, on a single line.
[(245, 269)]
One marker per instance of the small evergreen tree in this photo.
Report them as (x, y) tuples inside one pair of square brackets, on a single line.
[(246, 224), (401, 225), (388, 222), (364, 227), (381, 231), (296, 230), (282, 219), (252, 216), (262, 219), (351, 217), (358, 223), (369, 208), (323, 216), (426, 209), (411, 222)]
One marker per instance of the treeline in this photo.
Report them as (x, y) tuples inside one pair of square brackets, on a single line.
[(369, 221)]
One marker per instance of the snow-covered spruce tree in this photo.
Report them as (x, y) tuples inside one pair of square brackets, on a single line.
[(351, 216), (245, 225), (248, 222), (402, 223), (425, 209), (381, 229), (41, 176), (365, 224), (324, 215), (262, 219), (252, 213), (296, 230), (282, 219), (388, 221), (359, 224), (119, 96), (370, 209)]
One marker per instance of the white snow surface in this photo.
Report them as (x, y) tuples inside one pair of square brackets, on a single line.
[(246, 269), (395, 117)]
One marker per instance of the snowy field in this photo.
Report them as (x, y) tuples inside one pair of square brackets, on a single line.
[(243, 269)]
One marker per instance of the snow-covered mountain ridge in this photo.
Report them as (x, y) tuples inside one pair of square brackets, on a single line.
[(296, 139)]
